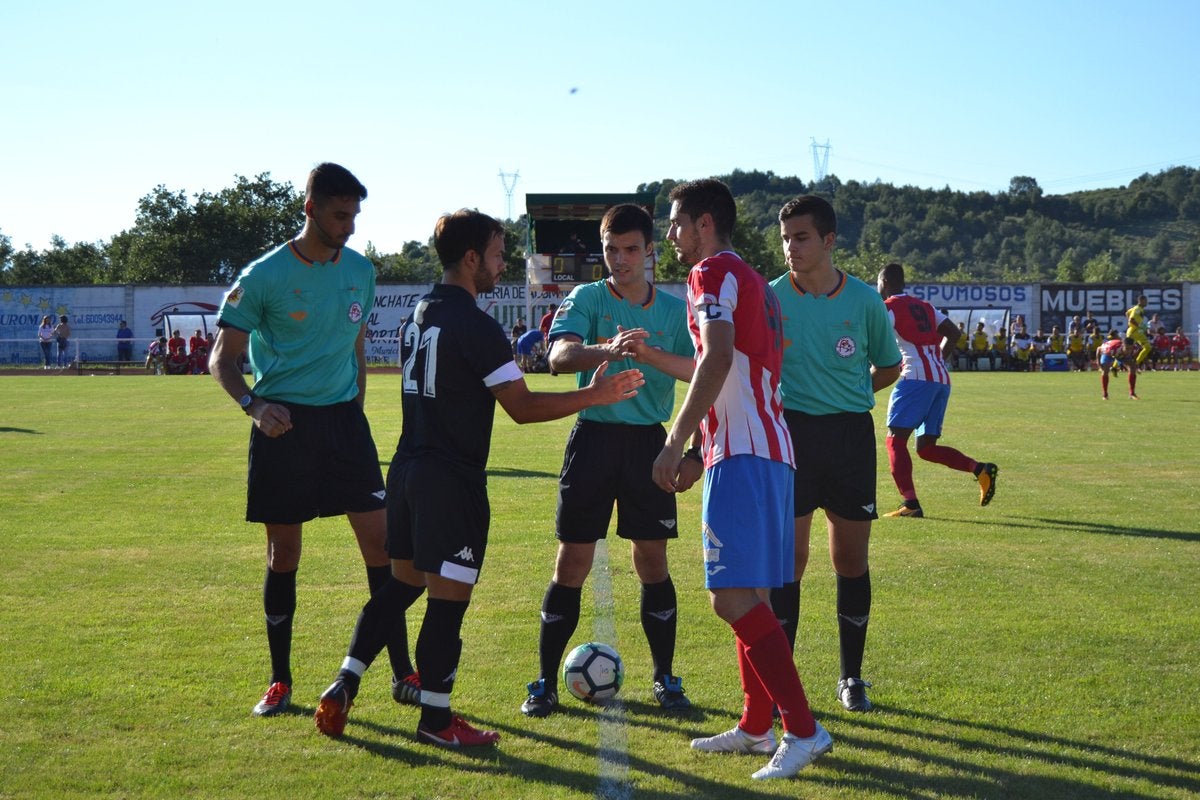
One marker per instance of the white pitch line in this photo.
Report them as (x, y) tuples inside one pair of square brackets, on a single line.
[(613, 753)]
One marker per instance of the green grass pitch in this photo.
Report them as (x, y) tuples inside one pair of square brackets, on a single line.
[(1046, 646)]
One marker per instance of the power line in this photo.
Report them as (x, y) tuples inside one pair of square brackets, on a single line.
[(509, 187), (820, 160)]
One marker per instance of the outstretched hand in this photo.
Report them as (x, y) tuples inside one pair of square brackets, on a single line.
[(618, 387), (629, 343)]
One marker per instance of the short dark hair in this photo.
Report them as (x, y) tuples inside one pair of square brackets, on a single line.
[(823, 216), (892, 272), (707, 196), (328, 180), (625, 218), (464, 230)]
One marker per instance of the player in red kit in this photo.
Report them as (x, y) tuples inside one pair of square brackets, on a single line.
[(920, 397)]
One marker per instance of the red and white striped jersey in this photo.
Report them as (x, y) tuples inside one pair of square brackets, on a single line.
[(916, 323), (747, 417)]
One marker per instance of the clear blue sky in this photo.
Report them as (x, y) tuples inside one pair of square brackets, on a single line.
[(428, 102)]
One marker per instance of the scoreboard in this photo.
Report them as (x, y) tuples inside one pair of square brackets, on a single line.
[(577, 268)]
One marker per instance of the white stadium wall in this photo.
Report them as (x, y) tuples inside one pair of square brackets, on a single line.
[(94, 311)]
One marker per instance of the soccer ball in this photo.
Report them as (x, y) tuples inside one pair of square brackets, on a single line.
[(593, 671)]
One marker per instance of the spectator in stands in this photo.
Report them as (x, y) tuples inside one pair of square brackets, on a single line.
[(124, 342), (1000, 349), (1021, 348), (962, 348), (1153, 326), (209, 341), (1041, 344), (198, 360), (1058, 342), (62, 334), (1018, 324), (46, 340), (156, 356), (177, 362), (196, 341), (1181, 350), (1075, 323), (518, 330), (176, 344), (546, 321), (980, 348), (1076, 350), (1092, 338), (1162, 348)]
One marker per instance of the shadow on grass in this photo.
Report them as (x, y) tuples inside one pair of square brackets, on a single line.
[(20, 430), (902, 753), (1078, 526), (965, 752), (492, 472), (509, 472)]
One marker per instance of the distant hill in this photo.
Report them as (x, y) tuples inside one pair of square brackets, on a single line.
[(1148, 231)]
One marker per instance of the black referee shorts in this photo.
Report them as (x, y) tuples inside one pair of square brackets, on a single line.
[(437, 517), (835, 463), (607, 463), (325, 466)]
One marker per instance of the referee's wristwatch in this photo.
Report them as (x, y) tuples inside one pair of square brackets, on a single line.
[(694, 454), (247, 401)]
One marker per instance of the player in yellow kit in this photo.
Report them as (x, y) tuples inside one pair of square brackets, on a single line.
[(1137, 328)]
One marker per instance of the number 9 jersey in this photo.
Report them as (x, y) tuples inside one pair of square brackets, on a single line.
[(916, 324)]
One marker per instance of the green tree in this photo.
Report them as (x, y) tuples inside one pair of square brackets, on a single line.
[(208, 242), (415, 263), (1101, 269), (1068, 269), (61, 265), (6, 254)]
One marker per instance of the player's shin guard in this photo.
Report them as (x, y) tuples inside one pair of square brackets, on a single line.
[(757, 706), (382, 622), (560, 617), (659, 617), (438, 651), (901, 466), (853, 612), (947, 457), (397, 642), (279, 606), (766, 652)]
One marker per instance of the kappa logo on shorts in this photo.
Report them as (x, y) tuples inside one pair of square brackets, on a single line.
[(466, 555), (382, 493), (869, 508), (669, 524), (846, 347), (712, 550)]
